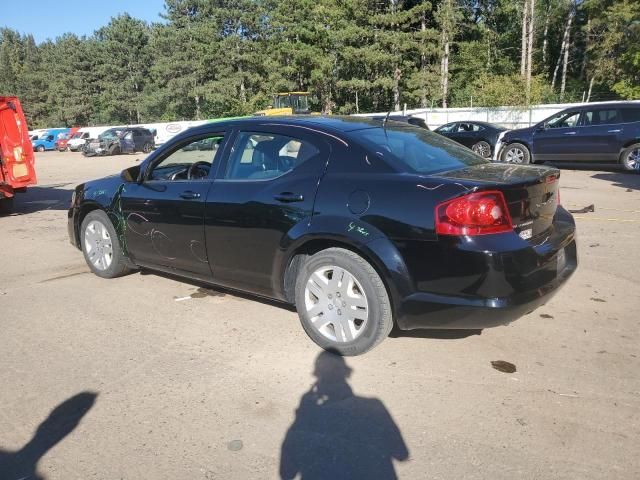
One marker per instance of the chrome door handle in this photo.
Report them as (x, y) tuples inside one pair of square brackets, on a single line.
[(617, 130), (569, 133), (288, 197), (189, 195)]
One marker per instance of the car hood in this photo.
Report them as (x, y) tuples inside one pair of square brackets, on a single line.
[(102, 190), (518, 132)]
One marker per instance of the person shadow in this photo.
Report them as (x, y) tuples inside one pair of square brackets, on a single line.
[(338, 435), (23, 463)]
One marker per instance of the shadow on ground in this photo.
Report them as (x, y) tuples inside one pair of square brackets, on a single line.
[(453, 334), (628, 181), (43, 197), (339, 435), (23, 463)]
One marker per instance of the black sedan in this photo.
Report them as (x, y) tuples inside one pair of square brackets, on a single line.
[(360, 225), (481, 137)]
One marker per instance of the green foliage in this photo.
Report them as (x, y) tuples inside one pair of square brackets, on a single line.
[(495, 90), (229, 57)]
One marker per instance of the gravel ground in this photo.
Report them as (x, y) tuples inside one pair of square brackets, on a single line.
[(117, 379)]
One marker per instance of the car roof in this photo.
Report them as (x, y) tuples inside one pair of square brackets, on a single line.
[(613, 103), (334, 123)]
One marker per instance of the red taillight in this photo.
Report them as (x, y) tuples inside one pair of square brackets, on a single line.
[(474, 214)]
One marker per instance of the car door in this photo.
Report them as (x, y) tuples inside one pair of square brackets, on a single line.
[(601, 134), (164, 214), (557, 138), (127, 142), (466, 134), (449, 130), (266, 188)]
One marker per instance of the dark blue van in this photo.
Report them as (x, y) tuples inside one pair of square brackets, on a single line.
[(592, 132)]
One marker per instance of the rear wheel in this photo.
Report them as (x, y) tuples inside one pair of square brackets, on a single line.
[(147, 148), (101, 247), (482, 148), (6, 205), (630, 158), (342, 302), (516, 153)]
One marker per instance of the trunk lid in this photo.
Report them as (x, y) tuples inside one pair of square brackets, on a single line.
[(17, 159), (531, 192)]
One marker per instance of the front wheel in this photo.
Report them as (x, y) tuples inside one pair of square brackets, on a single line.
[(101, 247), (147, 148), (342, 302), (115, 150), (482, 148), (630, 158), (516, 153)]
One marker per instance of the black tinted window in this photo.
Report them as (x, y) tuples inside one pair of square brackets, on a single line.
[(601, 117), (417, 150), (631, 114)]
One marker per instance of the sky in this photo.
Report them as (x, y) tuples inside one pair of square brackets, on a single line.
[(51, 18)]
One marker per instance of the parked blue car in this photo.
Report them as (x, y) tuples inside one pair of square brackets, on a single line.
[(47, 141)]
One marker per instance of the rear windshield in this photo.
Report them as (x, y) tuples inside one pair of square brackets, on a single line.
[(417, 150)]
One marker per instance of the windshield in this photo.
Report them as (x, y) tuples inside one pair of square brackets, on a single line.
[(77, 135), (63, 136), (296, 102), (111, 133), (417, 150)]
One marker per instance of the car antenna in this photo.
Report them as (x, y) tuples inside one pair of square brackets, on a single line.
[(384, 122)]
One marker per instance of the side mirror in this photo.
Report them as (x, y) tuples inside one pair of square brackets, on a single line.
[(131, 174)]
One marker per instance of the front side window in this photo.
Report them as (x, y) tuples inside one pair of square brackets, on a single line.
[(447, 128), (261, 156), (190, 161), (417, 150), (563, 120), (601, 117)]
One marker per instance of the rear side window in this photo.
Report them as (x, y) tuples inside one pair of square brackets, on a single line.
[(416, 150), (601, 117), (262, 156), (630, 115)]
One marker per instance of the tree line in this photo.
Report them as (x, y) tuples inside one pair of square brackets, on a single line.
[(215, 58)]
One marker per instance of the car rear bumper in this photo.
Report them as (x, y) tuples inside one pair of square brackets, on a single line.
[(497, 288)]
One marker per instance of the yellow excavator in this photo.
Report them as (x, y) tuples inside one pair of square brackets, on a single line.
[(288, 103)]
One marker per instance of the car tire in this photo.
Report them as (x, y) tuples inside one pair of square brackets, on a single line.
[(482, 148), (360, 291), (630, 158), (98, 237), (516, 153), (115, 150), (39, 148), (6, 206), (147, 147)]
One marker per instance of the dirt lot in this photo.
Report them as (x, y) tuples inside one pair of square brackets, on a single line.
[(208, 387)]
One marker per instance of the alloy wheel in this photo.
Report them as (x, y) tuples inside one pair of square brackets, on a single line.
[(98, 245), (482, 148), (514, 155), (633, 159), (336, 304)]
